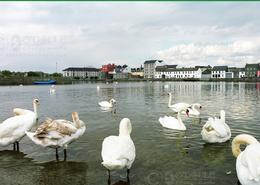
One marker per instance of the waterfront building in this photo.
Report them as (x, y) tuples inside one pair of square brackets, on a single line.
[(181, 73), (81, 72), (206, 74), (251, 70), (137, 72), (241, 73), (149, 68), (219, 72), (121, 72)]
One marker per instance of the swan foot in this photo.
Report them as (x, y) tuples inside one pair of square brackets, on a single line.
[(14, 147), (65, 154), (128, 172), (57, 154)]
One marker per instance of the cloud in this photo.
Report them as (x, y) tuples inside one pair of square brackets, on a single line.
[(236, 53), (36, 36)]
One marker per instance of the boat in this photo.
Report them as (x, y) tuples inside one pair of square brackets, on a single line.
[(45, 82)]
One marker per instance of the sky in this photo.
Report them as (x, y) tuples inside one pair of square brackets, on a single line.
[(39, 36)]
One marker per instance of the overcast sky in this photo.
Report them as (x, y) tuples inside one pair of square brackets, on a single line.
[(36, 36)]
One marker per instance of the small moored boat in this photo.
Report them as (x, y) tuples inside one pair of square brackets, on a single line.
[(45, 82)]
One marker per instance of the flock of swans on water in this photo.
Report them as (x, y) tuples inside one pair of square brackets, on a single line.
[(118, 152)]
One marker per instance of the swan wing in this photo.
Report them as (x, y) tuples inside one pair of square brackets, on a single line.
[(19, 111), (104, 104), (55, 128), (15, 127), (250, 162), (221, 128), (118, 152), (171, 123), (179, 106)]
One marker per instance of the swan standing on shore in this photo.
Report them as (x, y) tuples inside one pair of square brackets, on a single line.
[(118, 152), (58, 133), (216, 130), (248, 161), (107, 104), (178, 107), (173, 123), (13, 129)]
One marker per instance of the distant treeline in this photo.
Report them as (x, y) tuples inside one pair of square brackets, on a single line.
[(27, 78)]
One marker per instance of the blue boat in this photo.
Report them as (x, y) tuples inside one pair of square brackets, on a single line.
[(45, 82)]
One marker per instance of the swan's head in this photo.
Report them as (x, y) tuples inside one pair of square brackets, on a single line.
[(36, 101), (125, 127), (222, 114), (113, 101)]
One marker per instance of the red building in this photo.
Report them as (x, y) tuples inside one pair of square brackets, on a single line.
[(108, 68), (258, 73)]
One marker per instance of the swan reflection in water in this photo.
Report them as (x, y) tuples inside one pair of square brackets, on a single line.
[(108, 109), (120, 182), (16, 168)]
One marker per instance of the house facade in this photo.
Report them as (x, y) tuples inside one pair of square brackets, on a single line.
[(219, 71), (137, 72), (251, 70), (149, 68), (81, 72), (181, 73)]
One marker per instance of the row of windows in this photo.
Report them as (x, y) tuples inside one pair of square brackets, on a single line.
[(177, 72)]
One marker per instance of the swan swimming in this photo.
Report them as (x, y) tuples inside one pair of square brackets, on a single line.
[(173, 123), (216, 130), (178, 107), (107, 104), (248, 161), (52, 89), (13, 129), (58, 133), (193, 109), (118, 152)]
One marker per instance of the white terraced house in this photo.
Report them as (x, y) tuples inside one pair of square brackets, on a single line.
[(81, 72), (178, 73), (219, 72)]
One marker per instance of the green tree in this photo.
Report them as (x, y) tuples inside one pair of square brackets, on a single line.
[(6, 73)]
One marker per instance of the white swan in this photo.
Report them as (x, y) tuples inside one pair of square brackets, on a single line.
[(52, 89), (118, 152), (193, 109), (107, 104), (178, 107), (248, 161), (173, 123), (216, 130), (58, 133), (98, 87), (13, 129)]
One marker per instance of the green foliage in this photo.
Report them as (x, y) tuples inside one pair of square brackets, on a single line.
[(56, 74), (34, 74), (6, 73)]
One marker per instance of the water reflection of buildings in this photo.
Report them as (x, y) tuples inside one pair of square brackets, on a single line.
[(16, 168)]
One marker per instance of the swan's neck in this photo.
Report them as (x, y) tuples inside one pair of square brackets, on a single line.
[(35, 108), (239, 140), (194, 108), (170, 100), (76, 120), (222, 116)]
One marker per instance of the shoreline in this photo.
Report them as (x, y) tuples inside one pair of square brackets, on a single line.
[(11, 81)]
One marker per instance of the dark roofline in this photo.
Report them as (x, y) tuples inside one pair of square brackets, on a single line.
[(152, 61), (92, 69)]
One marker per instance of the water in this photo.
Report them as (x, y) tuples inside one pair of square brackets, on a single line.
[(163, 156)]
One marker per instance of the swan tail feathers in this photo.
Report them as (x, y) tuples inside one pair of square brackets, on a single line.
[(114, 164)]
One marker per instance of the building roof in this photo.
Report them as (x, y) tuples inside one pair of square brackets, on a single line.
[(152, 61), (171, 66), (220, 68), (253, 65), (207, 71), (81, 69), (161, 69)]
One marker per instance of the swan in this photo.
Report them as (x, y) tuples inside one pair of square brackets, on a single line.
[(216, 130), (248, 161), (118, 152), (107, 104), (173, 123), (193, 109), (98, 87), (13, 129), (52, 89), (58, 133), (178, 106)]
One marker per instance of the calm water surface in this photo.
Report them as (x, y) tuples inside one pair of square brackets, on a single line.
[(163, 156)]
